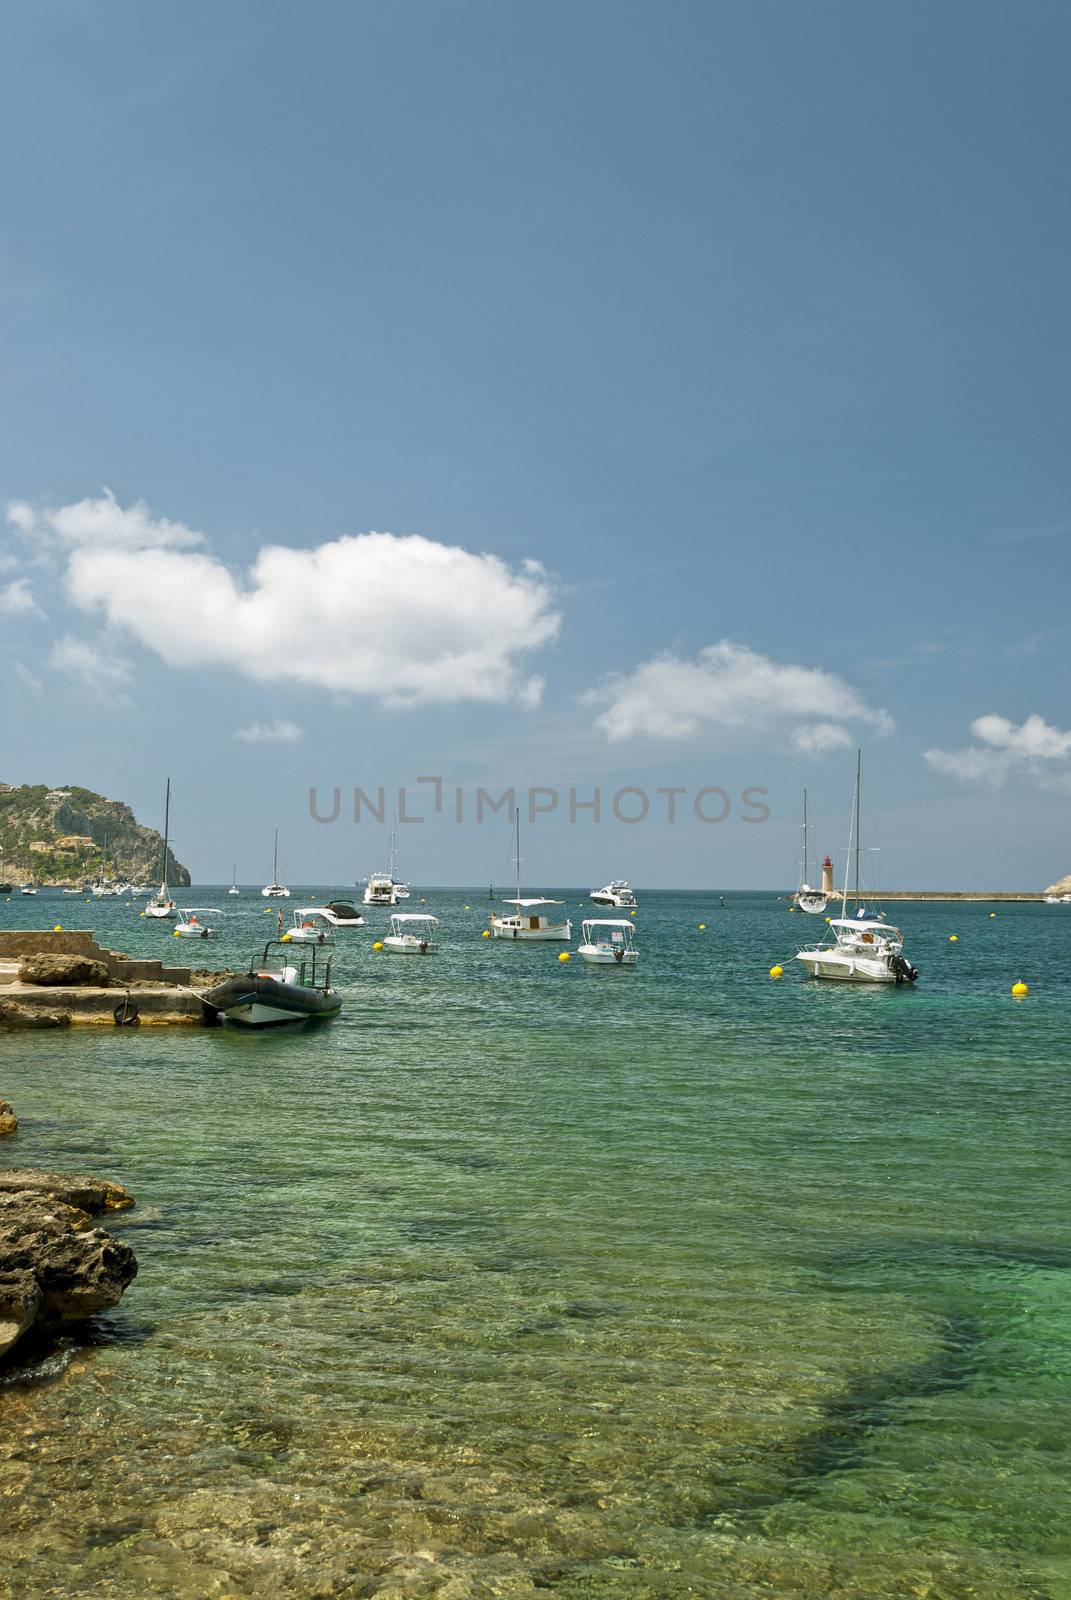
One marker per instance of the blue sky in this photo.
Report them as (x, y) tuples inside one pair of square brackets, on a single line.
[(736, 323)]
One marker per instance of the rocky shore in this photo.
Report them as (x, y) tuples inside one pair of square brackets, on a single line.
[(56, 1267)]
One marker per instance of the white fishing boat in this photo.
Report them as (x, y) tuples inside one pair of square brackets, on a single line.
[(27, 888), (234, 889), (161, 904), (310, 926), (531, 919), (412, 933), (616, 894), (274, 890), (864, 948), (608, 943), (805, 898), (194, 923)]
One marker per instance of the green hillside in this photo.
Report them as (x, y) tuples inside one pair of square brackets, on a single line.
[(56, 836)]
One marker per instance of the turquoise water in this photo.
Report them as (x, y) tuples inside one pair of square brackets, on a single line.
[(528, 1277)]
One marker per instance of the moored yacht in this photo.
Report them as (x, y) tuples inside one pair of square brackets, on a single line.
[(806, 898), (864, 948), (161, 904), (531, 919), (193, 923), (617, 894), (274, 890), (234, 889)]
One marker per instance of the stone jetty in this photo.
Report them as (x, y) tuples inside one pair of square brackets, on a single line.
[(54, 979)]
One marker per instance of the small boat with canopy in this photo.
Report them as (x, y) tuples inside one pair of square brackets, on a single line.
[(412, 933), (608, 942)]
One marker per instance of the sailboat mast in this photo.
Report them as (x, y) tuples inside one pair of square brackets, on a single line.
[(517, 816), (848, 861), (858, 787), (167, 827), (275, 859), (804, 877)]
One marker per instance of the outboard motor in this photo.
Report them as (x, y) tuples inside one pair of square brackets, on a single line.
[(904, 971)]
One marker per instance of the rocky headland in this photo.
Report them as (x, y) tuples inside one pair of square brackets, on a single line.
[(58, 836)]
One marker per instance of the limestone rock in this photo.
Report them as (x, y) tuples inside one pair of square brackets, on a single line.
[(64, 971), (8, 1120), (57, 1267), (92, 1195), (12, 1015), (1063, 887)]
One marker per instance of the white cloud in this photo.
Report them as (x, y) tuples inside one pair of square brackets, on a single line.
[(95, 671), (1032, 749), (270, 733), (816, 738), (729, 687), (404, 619), (16, 600), (100, 524)]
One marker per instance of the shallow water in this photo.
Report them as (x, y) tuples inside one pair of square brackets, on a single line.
[(527, 1277)]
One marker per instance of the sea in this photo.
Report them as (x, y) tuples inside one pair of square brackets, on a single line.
[(526, 1277)]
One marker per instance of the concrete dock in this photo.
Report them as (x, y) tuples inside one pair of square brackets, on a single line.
[(137, 991)]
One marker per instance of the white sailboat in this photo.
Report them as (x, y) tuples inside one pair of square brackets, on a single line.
[(161, 904), (864, 948), (234, 889), (531, 919), (806, 898), (275, 890)]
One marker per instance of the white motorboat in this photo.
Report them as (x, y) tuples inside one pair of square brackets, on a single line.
[(616, 894), (342, 914), (383, 888), (274, 890), (161, 904), (27, 888), (863, 948), (138, 891), (531, 919), (380, 890), (805, 898), (412, 933), (234, 889), (193, 923), (310, 926), (608, 943), (1058, 899)]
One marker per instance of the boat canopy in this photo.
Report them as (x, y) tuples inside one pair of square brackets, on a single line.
[(413, 916), (865, 925), (512, 900), (311, 911), (188, 912), (610, 922)]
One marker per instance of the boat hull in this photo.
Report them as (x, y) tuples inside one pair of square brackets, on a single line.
[(254, 1001), (400, 945), (502, 930), (845, 969), (607, 958)]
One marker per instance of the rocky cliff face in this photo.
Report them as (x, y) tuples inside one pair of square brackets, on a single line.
[(1063, 887), (56, 836)]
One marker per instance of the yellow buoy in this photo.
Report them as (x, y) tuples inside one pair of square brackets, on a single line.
[(992, 913), (777, 972), (829, 919), (702, 927), (953, 938), (486, 934), (141, 913), (174, 933), (632, 913), (564, 956), (378, 945), (466, 908), (1020, 988), (285, 939), (58, 928)]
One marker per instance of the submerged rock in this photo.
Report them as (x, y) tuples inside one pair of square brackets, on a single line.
[(8, 1120), (54, 1265), (65, 971)]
